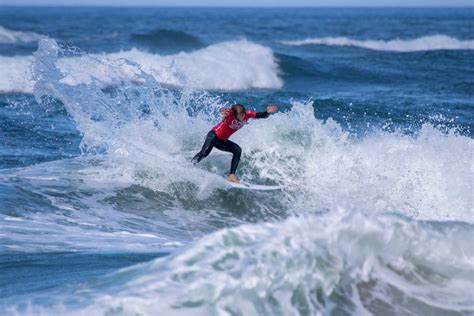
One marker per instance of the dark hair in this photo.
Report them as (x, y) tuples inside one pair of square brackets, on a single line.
[(238, 108)]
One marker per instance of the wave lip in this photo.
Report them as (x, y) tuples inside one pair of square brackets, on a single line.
[(232, 65), (424, 43), (8, 36)]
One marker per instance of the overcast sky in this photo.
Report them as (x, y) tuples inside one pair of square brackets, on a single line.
[(245, 3)]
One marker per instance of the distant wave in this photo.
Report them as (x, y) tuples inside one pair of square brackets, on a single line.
[(16, 74), (233, 65), (10, 36), (424, 43), (166, 40)]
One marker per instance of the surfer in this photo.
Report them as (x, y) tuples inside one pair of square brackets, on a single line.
[(234, 118)]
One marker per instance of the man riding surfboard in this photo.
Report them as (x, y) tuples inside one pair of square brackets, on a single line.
[(234, 119)]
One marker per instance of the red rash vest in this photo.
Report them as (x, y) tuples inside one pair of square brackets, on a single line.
[(229, 125)]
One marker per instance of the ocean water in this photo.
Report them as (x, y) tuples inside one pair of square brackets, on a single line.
[(101, 212)]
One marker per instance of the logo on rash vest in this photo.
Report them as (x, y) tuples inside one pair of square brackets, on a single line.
[(237, 124)]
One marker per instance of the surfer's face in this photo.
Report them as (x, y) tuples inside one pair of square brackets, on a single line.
[(240, 115), (239, 111)]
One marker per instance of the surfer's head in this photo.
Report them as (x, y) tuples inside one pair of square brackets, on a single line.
[(239, 111)]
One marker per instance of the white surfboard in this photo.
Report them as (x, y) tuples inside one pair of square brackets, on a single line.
[(250, 186)]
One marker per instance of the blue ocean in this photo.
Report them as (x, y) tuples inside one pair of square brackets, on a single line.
[(102, 213)]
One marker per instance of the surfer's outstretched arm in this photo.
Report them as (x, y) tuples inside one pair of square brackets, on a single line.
[(260, 115), (270, 109)]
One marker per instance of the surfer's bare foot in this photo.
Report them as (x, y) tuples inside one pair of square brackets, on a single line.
[(232, 178)]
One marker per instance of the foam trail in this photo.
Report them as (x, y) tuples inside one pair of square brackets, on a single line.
[(424, 43), (8, 36), (233, 65)]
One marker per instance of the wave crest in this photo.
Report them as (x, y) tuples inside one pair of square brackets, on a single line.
[(424, 43), (8, 36), (233, 65)]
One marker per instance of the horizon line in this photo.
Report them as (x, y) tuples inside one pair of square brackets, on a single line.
[(239, 7)]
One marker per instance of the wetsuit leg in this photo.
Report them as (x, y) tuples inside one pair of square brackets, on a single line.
[(230, 146), (206, 148)]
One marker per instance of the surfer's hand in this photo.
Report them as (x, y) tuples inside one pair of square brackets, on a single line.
[(224, 111), (271, 108)]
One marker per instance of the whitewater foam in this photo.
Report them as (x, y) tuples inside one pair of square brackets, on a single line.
[(233, 65), (426, 176), (424, 43)]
